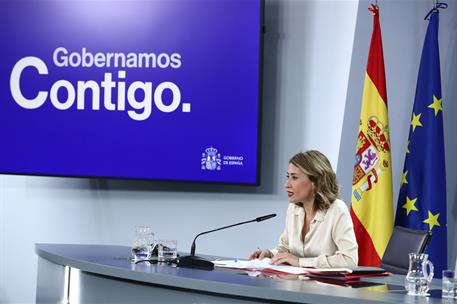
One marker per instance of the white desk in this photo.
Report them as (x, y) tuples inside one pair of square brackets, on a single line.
[(105, 275)]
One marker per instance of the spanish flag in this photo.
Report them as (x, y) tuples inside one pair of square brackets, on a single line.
[(371, 199)]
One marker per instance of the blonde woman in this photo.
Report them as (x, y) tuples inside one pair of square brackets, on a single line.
[(319, 230)]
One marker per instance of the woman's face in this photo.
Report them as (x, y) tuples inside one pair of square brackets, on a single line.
[(298, 186)]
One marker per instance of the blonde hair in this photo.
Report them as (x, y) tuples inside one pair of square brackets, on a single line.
[(319, 170)]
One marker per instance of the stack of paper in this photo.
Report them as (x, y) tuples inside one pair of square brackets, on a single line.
[(345, 276), (260, 265), (340, 274), (354, 270)]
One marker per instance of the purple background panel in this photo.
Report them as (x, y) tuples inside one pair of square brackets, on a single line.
[(219, 44)]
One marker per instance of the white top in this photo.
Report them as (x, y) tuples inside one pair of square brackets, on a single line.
[(330, 241)]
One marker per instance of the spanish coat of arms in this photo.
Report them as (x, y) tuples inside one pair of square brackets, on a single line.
[(372, 145)]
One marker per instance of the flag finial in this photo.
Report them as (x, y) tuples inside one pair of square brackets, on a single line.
[(374, 9), (436, 7)]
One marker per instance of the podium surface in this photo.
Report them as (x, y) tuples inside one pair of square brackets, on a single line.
[(105, 274)]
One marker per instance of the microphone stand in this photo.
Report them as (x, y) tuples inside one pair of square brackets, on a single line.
[(193, 261)]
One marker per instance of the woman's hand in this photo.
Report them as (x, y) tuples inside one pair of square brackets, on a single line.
[(260, 254), (285, 258)]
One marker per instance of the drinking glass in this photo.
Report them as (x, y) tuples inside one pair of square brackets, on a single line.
[(168, 250), (143, 244), (449, 284)]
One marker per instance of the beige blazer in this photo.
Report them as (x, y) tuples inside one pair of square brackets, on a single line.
[(330, 241)]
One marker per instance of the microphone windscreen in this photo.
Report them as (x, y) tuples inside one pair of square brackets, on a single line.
[(265, 217)]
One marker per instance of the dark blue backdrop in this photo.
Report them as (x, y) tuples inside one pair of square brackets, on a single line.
[(219, 44)]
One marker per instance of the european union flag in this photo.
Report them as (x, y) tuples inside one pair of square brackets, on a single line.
[(422, 199)]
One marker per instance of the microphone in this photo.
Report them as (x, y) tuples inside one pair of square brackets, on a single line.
[(193, 261)]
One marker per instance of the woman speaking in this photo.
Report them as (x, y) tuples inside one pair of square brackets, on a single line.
[(318, 230)]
